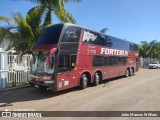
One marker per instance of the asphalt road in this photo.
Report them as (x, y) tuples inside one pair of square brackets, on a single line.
[(140, 92)]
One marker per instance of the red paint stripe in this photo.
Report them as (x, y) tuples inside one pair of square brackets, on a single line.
[(45, 47)]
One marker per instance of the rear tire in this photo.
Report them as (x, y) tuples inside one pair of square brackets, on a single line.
[(97, 79), (131, 72), (84, 81)]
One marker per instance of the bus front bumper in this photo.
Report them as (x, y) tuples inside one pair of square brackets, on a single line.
[(40, 85)]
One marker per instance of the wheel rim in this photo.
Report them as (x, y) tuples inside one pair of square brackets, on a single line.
[(97, 78), (84, 81), (127, 73), (131, 72)]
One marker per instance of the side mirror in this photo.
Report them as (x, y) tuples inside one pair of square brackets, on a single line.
[(50, 56)]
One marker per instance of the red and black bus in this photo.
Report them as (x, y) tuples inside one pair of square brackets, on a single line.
[(67, 55)]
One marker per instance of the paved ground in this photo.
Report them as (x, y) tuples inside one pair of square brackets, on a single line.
[(140, 92)]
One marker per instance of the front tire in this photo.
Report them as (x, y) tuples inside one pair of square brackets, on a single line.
[(83, 81)]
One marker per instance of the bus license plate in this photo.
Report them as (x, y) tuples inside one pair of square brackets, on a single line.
[(37, 86)]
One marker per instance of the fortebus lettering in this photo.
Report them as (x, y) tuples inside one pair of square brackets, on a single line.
[(108, 51)]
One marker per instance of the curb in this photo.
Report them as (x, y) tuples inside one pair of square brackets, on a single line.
[(15, 88)]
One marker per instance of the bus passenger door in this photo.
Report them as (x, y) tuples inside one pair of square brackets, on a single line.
[(63, 76), (74, 78), (67, 75), (74, 74), (67, 80), (63, 80)]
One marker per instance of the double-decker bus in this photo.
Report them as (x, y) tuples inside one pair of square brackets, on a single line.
[(67, 55)]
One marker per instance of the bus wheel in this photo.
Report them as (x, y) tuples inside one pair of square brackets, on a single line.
[(96, 79), (84, 81), (127, 73), (131, 72)]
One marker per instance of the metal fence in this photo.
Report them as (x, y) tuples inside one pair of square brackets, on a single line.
[(18, 72), (144, 62)]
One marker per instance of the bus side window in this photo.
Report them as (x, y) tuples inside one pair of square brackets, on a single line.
[(112, 60), (73, 61), (106, 61), (98, 61)]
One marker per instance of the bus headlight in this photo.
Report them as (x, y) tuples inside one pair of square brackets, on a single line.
[(48, 82)]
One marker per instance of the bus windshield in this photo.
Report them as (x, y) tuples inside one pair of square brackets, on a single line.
[(49, 35), (39, 63)]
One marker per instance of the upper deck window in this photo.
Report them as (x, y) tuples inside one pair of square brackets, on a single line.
[(71, 34), (121, 44), (95, 38), (50, 35)]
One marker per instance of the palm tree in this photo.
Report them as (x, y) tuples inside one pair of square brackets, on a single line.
[(146, 49), (104, 30), (156, 50), (7, 37), (28, 28), (47, 7), (25, 30), (4, 19), (10, 37)]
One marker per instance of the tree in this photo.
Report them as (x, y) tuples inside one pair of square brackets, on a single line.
[(104, 30), (146, 48), (56, 7), (28, 28), (7, 37), (4, 19), (25, 30), (156, 50)]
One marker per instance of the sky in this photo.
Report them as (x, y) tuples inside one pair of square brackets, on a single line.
[(133, 20)]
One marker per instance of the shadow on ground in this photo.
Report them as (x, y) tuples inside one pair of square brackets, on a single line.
[(30, 94)]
